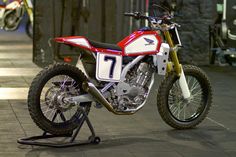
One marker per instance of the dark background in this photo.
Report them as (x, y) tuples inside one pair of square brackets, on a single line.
[(103, 20)]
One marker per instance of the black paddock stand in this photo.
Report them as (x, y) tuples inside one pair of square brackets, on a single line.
[(81, 118)]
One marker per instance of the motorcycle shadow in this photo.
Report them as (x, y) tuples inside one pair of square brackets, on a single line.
[(204, 138), (108, 144)]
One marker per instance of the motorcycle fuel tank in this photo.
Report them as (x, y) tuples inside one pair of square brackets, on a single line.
[(141, 43)]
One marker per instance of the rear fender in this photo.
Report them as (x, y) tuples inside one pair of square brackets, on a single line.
[(76, 41)]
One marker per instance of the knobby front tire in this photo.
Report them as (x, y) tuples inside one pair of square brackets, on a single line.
[(29, 29), (174, 109)]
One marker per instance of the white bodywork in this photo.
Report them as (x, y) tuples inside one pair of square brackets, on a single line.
[(2, 11), (141, 45), (162, 58), (13, 5), (80, 41)]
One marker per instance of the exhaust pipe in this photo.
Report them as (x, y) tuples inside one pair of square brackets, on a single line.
[(94, 92)]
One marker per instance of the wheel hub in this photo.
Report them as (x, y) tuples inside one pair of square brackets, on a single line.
[(55, 98), (61, 104)]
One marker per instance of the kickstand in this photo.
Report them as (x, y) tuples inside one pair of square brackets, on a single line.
[(81, 118)]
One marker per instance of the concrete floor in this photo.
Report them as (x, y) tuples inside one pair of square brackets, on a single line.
[(141, 135)]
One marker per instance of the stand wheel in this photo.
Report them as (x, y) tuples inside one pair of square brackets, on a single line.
[(96, 140)]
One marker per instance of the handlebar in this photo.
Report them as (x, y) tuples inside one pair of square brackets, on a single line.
[(155, 21), (137, 15)]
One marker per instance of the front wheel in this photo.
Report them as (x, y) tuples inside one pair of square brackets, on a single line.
[(29, 29), (183, 113)]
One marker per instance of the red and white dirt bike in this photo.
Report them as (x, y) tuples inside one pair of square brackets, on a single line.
[(12, 14), (120, 77)]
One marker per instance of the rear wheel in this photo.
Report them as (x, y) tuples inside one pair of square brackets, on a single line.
[(183, 113), (46, 99)]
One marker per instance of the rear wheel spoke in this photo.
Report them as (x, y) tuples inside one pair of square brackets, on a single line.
[(51, 98)]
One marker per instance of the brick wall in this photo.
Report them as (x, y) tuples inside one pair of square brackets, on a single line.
[(105, 22), (194, 16)]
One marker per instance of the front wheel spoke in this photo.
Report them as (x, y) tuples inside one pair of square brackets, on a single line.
[(197, 93), (195, 101), (178, 111), (184, 113), (195, 86), (171, 106), (191, 108), (177, 86), (175, 109), (194, 83), (188, 79), (183, 108), (171, 97)]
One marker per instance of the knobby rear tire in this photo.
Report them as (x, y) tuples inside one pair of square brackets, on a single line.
[(35, 90)]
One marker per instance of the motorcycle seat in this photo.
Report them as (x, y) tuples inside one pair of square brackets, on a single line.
[(104, 45)]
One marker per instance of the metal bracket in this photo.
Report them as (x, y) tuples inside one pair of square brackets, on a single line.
[(162, 58), (231, 36)]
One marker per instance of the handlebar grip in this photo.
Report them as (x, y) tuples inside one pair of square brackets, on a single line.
[(129, 14)]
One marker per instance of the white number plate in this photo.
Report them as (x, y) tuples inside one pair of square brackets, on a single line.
[(108, 67), (2, 11)]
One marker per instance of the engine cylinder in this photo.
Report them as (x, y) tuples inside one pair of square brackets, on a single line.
[(143, 71)]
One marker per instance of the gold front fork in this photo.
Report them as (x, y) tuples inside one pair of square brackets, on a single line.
[(173, 55), (29, 10)]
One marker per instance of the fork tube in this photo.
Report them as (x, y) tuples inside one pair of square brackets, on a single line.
[(29, 10), (173, 53), (178, 69)]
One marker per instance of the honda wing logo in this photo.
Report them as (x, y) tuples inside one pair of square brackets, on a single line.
[(149, 41)]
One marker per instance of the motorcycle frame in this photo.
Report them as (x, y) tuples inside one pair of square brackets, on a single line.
[(96, 95)]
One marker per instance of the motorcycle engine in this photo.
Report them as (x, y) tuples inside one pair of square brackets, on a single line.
[(131, 93)]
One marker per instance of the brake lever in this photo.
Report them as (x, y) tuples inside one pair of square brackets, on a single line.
[(176, 24), (129, 14)]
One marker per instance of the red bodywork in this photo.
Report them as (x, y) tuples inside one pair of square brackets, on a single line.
[(122, 44), (5, 6)]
